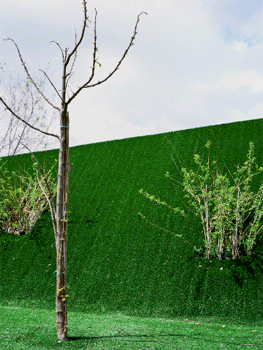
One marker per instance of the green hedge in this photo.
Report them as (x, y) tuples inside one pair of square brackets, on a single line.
[(116, 261)]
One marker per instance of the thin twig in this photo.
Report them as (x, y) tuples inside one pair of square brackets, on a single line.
[(22, 120), (67, 59), (69, 74), (63, 57), (176, 155), (51, 83), (67, 80), (48, 198), (29, 76), (164, 229), (43, 173)]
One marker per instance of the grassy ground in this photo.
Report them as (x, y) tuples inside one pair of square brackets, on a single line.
[(117, 260), (22, 328)]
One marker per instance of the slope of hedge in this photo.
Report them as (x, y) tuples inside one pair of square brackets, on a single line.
[(116, 260)]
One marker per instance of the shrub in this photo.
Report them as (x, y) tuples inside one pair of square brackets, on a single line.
[(229, 210), (23, 198)]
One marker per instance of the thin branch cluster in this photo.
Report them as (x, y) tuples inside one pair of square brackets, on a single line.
[(27, 104)]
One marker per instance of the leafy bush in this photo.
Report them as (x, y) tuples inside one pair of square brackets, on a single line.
[(23, 197), (230, 211)]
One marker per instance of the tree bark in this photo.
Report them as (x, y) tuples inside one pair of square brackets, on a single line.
[(62, 227)]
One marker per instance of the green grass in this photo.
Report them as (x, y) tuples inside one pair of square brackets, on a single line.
[(116, 260), (24, 328)]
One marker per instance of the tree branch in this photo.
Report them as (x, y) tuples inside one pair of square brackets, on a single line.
[(29, 76), (125, 53), (67, 59), (63, 57), (22, 120), (95, 49), (19, 140), (51, 83), (69, 74), (94, 60), (67, 80)]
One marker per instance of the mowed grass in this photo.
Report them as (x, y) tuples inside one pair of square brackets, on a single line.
[(25, 328)]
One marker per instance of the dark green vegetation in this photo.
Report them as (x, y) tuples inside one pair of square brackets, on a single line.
[(119, 263), (22, 328)]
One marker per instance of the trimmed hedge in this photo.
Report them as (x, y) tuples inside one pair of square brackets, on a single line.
[(116, 261)]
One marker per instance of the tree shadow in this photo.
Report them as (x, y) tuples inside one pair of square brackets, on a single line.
[(159, 338)]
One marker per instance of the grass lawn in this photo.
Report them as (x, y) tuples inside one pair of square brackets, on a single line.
[(24, 328)]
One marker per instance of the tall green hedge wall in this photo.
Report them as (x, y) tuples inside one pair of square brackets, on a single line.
[(116, 260)]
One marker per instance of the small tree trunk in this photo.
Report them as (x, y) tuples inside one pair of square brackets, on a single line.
[(62, 224)]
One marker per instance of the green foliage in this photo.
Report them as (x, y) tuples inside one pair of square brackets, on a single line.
[(230, 211), (23, 197)]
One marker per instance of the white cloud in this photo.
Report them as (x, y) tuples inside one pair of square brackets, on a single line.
[(101, 125), (240, 46), (251, 80), (256, 112), (235, 114)]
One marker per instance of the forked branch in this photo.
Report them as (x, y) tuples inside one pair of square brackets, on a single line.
[(124, 55), (85, 85)]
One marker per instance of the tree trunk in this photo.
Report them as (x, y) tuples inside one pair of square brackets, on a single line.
[(62, 224), (61, 215)]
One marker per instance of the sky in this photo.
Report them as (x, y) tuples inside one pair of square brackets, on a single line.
[(194, 63)]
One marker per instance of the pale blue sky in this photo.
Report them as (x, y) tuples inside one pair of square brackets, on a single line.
[(194, 62)]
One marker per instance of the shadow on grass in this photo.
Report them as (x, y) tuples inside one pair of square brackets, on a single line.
[(143, 337), (119, 336)]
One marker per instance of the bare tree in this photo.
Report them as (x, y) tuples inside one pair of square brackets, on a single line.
[(61, 211), (28, 104)]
